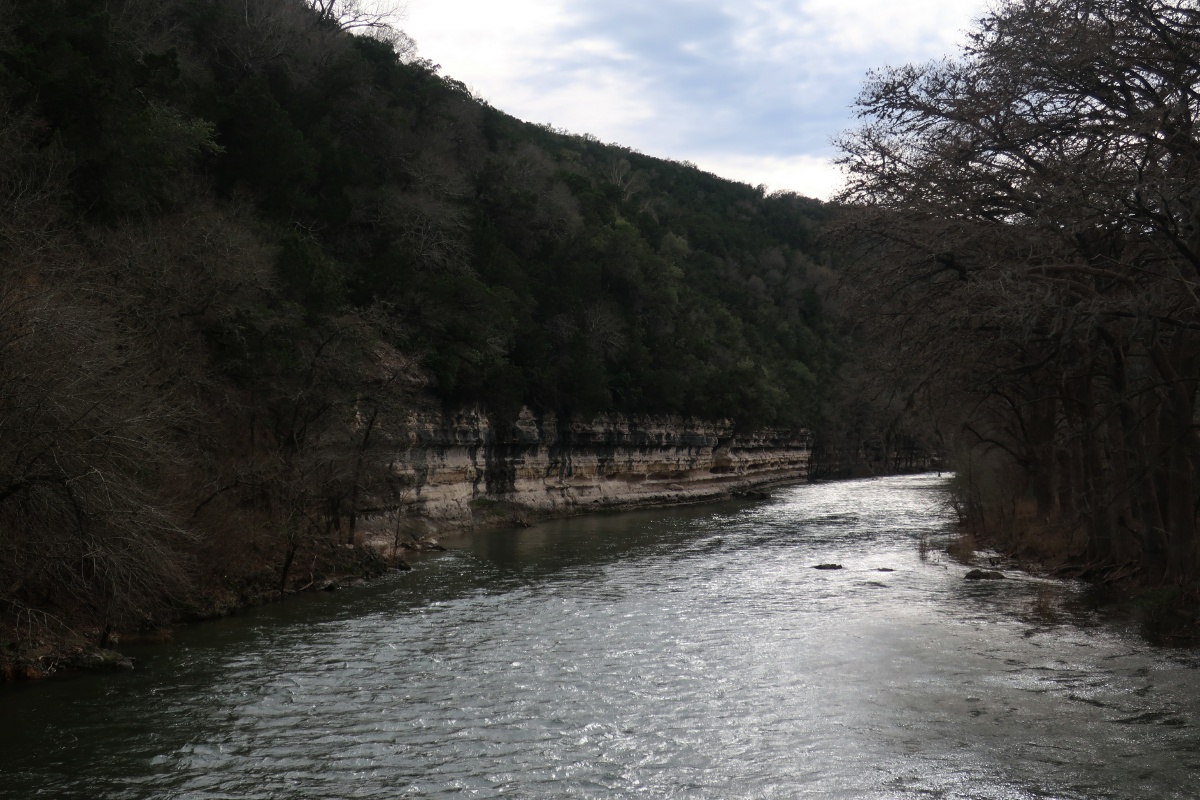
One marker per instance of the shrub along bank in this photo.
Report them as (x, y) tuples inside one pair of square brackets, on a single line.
[(240, 243)]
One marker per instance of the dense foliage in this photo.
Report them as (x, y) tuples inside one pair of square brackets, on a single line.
[(235, 236), (523, 265)]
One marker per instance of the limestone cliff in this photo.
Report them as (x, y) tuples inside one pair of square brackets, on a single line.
[(459, 470)]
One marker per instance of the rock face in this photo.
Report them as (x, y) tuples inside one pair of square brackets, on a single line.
[(455, 470)]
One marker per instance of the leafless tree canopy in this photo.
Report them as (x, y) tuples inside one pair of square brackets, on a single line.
[(380, 19), (1025, 217)]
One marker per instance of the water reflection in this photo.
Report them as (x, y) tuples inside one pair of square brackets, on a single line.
[(680, 653)]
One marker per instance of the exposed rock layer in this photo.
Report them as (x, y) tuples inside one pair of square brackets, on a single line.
[(459, 470)]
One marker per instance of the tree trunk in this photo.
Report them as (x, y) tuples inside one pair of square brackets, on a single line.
[(1041, 433)]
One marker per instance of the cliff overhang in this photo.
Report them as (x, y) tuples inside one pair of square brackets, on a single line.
[(459, 470)]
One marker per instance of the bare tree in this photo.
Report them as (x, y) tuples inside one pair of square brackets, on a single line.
[(1029, 214), (378, 19)]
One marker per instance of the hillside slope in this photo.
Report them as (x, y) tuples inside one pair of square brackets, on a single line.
[(240, 242)]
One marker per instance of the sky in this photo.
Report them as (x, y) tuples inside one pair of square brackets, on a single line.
[(753, 90)]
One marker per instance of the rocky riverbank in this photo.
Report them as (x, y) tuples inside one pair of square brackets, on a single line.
[(458, 471), (455, 472)]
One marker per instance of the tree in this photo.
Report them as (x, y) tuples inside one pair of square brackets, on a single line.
[(378, 20), (1030, 213), (85, 438)]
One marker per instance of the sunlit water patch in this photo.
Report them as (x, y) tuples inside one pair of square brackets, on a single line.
[(687, 653)]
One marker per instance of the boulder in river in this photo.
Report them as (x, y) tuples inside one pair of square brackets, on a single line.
[(423, 545), (984, 575), (100, 660), (828, 566)]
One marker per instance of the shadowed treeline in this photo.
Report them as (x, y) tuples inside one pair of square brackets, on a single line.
[(242, 238), (1027, 229)]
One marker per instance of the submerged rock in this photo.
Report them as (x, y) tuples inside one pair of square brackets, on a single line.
[(984, 575), (423, 545), (100, 660), (828, 566)]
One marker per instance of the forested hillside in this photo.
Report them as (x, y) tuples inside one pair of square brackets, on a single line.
[(521, 265), (240, 240)]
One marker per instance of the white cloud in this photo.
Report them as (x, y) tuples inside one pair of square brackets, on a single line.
[(494, 46), (855, 29), (613, 107), (811, 176), (750, 89)]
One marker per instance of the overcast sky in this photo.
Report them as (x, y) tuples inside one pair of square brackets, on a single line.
[(749, 89)]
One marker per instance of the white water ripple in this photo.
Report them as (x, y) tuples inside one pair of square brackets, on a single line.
[(687, 653)]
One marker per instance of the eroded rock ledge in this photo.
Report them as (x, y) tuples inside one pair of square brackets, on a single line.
[(459, 470)]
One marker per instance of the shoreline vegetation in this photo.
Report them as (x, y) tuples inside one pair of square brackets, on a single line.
[(1021, 234), (59, 648), (1164, 615), (247, 242)]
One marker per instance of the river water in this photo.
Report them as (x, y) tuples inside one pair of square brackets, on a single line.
[(686, 653)]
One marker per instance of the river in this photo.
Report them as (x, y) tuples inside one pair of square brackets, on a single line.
[(680, 653)]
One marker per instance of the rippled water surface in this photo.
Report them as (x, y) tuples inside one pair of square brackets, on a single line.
[(687, 653)]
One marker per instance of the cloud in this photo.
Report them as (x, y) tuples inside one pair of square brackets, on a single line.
[(856, 30), (753, 87), (484, 43), (811, 176)]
